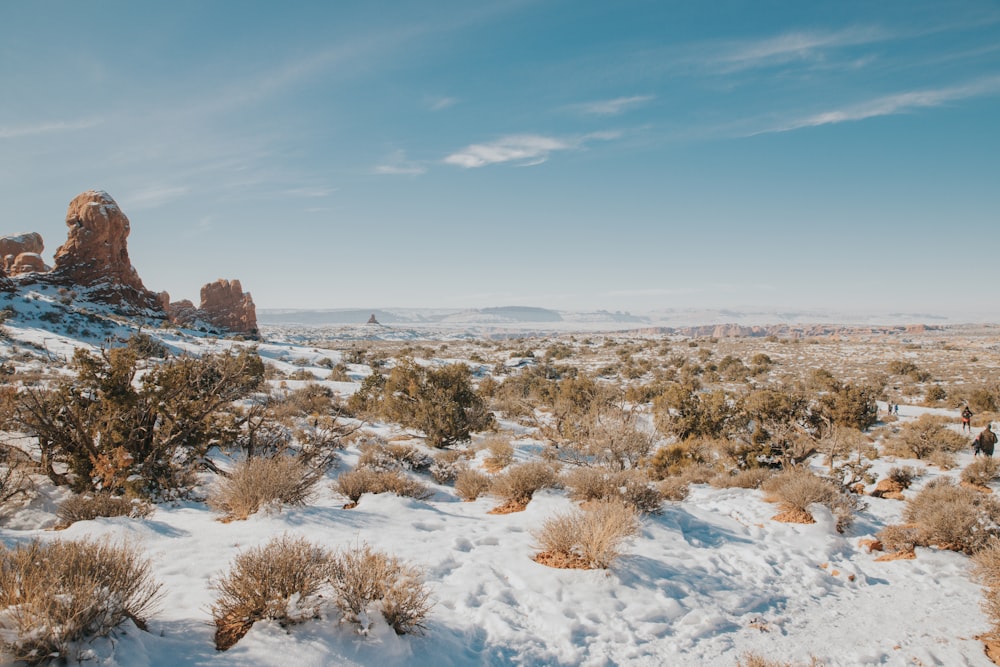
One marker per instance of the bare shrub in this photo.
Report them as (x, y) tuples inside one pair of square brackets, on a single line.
[(795, 489), (88, 507), (470, 484), (981, 472), (14, 479), (62, 592), (282, 580), (671, 460), (903, 475), (697, 474), (258, 482), (393, 456), (629, 486), (755, 660), (943, 460), (953, 517), (898, 538), (751, 478), (520, 482), (589, 539), (362, 576), (363, 480)]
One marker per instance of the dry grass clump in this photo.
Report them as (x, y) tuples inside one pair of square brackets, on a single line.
[(362, 576), (364, 480), (899, 539), (755, 660), (981, 472), (673, 488), (672, 460), (519, 483), (795, 489), (447, 464), (15, 482), (629, 486), (259, 482), (950, 516), (587, 539), (470, 484), (924, 437), (903, 475), (88, 507), (750, 478), (62, 592), (281, 580)]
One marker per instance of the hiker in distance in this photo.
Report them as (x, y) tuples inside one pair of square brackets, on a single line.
[(966, 419), (984, 442)]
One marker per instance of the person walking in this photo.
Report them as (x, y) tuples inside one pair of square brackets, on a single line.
[(985, 441), (966, 420)]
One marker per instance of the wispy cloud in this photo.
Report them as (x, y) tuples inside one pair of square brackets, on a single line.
[(154, 197), (441, 103), (890, 105), (611, 107), (789, 47), (524, 150), (314, 192), (398, 165), (8, 132)]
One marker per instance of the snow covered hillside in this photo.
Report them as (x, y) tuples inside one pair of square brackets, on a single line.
[(709, 580)]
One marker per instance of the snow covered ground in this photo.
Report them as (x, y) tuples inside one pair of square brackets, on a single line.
[(708, 581)]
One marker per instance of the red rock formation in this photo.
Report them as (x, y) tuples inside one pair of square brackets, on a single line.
[(224, 304), (27, 262), (14, 245), (95, 254)]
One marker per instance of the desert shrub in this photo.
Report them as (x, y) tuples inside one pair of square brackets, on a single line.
[(935, 394), (139, 438), (590, 538), (924, 436), (362, 576), (981, 472), (899, 538), (311, 399), (259, 482), (852, 405), (470, 484), (447, 464), (670, 460), (674, 488), (751, 478), (363, 480), (501, 453), (754, 660), (15, 482), (91, 506), (631, 487), (682, 410), (953, 517), (795, 489), (943, 460), (697, 474), (520, 482), (441, 402), (983, 399), (63, 592), (282, 580)]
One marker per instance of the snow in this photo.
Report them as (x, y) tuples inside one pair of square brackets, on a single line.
[(707, 581)]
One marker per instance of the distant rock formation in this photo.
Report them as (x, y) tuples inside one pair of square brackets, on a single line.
[(27, 262), (224, 305), (372, 320), (95, 255), (787, 331), (16, 244)]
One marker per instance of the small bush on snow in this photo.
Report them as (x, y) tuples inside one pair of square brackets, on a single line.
[(589, 539), (358, 482), (630, 486), (986, 567), (520, 482), (751, 478), (55, 594), (257, 482), (795, 489), (954, 517), (470, 484), (981, 472), (281, 580), (447, 465), (91, 506)]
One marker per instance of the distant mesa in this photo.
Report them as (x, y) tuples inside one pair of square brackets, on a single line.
[(94, 263), (372, 320)]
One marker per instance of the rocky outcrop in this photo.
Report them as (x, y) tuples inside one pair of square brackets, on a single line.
[(16, 244), (224, 305), (27, 262), (95, 255)]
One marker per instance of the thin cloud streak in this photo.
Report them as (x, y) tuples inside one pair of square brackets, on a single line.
[(612, 107), (47, 128), (891, 105), (524, 150)]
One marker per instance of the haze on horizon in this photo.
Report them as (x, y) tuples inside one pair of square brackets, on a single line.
[(626, 156)]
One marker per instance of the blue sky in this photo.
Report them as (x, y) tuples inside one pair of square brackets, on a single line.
[(628, 155)]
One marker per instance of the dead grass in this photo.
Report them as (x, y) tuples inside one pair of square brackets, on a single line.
[(588, 539), (470, 484), (981, 472), (751, 478), (62, 592), (629, 486), (520, 482), (501, 453), (281, 580), (795, 489), (262, 481), (949, 516)]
